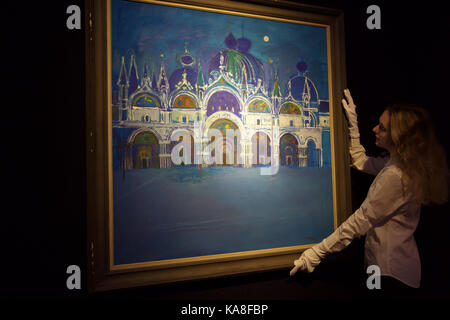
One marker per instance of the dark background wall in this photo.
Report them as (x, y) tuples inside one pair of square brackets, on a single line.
[(43, 109)]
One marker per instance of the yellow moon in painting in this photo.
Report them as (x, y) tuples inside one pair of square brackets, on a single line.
[(266, 38)]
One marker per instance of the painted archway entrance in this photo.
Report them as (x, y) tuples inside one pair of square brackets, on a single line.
[(313, 154), (289, 151), (225, 154), (145, 151)]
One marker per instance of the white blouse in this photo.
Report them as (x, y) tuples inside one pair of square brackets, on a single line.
[(388, 217)]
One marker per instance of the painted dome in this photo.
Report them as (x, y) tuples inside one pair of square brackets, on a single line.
[(244, 44), (236, 61)]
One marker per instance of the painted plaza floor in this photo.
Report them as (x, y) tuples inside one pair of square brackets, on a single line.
[(176, 213)]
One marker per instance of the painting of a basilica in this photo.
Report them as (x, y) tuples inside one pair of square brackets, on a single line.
[(262, 87)]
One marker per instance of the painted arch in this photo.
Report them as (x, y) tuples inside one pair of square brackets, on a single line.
[(146, 100), (259, 106), (185, 102), (290, 108)]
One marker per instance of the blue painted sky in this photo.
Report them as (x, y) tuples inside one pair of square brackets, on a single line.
[(150, 30)]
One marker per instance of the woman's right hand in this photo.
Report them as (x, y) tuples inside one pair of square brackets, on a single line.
[(308, 261), (350, 111)]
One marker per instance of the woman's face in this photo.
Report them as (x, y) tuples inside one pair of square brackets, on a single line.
[(382, 132)]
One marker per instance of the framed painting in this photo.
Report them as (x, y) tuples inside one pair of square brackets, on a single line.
[(216, 144)]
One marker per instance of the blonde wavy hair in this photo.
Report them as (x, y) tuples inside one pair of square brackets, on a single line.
[(418, 153)]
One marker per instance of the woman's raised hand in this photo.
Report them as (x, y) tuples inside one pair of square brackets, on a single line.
[(350, 111)]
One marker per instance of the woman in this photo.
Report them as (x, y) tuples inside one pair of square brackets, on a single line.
[(415, 173)]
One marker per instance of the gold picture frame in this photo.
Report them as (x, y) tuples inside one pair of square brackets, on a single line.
[(103, 274)]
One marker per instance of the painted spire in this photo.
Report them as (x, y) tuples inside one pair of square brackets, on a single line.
[(306, 95), (244, 83), (133, 77), (276, 88), (145, 71), (123, 79), (244, 78), (123, 85), (154, 82), (146, 81), (163, 82), (200, 79)]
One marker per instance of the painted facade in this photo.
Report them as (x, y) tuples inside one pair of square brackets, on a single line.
[(232, 96)]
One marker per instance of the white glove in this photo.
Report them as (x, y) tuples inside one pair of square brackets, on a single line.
[(309, 260), (350, 110), (355, 226), (357, 151)]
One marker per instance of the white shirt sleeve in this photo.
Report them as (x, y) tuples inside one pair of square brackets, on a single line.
[(385, 197), (364, 163)]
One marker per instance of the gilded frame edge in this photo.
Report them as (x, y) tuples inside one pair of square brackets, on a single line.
[(100, 275)]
